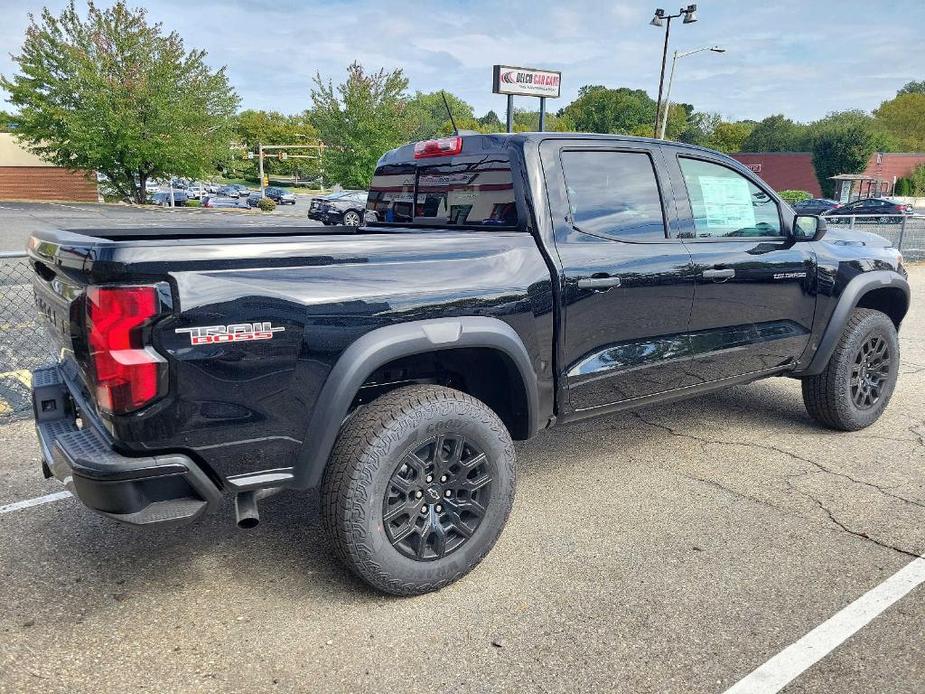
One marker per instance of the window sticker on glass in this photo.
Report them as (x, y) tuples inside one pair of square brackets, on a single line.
[(727, 202)]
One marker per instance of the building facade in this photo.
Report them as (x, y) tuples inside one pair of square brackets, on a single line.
[(24, 176), (795, 171)]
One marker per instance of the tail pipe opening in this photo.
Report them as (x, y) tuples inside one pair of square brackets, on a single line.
[(245, 506)]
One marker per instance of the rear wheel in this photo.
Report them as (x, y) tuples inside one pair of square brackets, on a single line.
[(418, 488), (352, 218), (860, 377)]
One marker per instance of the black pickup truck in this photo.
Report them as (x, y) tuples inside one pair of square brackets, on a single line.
[(501, 284)]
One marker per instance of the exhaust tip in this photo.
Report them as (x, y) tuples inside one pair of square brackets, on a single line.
[(245, 508), (248, 523)]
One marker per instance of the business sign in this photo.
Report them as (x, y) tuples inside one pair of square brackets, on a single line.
[(526, 81)]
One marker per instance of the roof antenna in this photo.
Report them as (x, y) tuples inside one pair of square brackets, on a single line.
[(449, 112)]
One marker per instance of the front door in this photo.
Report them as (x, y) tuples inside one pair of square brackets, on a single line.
[(626, 286), (754, 295)]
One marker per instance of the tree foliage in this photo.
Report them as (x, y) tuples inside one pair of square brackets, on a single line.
[(359, 120), (903, 118), (599, 109), (730, 137), (912, 88), (842, 144), (777, 133), (113, 93), (427, 116), (253, 128)]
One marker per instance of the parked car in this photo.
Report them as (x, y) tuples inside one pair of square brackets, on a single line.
[(242, 189), (217, 201), (212, 187), (886, 211), (815, 206), (196, 191), (314, 205), (279, 196), (253, 199), (347, 209), (162, 199), (392, 370), (228, 192)]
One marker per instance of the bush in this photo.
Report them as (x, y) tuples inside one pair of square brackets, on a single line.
[(266, 205), (794, 196), (903, 187)]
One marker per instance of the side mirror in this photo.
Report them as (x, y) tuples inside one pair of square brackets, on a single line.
[(808, 227)]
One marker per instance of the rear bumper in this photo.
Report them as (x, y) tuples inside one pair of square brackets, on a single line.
[(152, 490)]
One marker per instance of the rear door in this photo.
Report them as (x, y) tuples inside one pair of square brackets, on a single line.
[(754, 295), (626, 287)]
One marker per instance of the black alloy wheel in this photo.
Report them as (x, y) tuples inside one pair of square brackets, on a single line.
[(437, 497), (870, 370)]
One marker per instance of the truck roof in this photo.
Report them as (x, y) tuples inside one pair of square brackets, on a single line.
[(496, 142)]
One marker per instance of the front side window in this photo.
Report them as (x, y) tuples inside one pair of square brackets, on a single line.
[(725, 204), (614, 194)]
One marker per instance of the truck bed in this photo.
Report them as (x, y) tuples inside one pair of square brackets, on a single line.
[(228, 232)]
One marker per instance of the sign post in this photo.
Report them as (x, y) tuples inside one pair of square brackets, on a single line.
[(525, 81)]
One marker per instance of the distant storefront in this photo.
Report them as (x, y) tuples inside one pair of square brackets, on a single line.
[(795, 171), (24, 176)]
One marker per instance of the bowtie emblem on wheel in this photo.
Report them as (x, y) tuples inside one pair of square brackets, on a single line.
[(239, 332)]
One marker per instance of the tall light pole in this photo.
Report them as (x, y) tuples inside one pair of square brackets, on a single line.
[(674, 60), (661, 19)]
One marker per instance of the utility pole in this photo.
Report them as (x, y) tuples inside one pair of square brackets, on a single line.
[(260, 167)]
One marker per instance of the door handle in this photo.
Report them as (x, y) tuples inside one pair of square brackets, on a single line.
[(726, 273), (599, 282)]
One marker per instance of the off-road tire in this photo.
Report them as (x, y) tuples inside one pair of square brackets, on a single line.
[(828, 396), (370, 448)]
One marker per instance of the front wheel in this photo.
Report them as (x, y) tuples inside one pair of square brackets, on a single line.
[(352, 218), (860, 377), (418, 488)]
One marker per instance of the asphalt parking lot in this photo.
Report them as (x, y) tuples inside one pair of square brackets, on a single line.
[(20, 219), (673, 549)]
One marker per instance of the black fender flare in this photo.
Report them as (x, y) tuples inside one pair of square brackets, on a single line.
[(847, 302), (380, 346)]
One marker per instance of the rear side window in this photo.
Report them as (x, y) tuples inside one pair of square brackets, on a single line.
[(472, 192), (725, 204), (614, 194)]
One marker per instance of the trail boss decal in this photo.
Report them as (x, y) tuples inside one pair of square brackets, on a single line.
[(789, 275), (239, 332)]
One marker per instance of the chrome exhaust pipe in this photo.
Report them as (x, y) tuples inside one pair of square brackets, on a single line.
[(245, 509)]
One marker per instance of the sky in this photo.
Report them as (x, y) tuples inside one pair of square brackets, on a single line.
[(802, 58)]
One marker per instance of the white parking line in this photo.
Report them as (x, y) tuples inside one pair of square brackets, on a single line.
[(800, 656), (38, 501)]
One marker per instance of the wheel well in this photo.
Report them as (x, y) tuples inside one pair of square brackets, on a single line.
[(484, 373), (888, 300)]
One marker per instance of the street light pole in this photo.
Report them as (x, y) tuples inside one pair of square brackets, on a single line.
[(661, 19), (674, 60)]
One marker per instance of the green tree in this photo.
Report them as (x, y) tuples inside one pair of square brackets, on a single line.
[(359, 120), (917, 181), (912, 88), (904, 119), (777, 133), (730, 137), (601, 110), (426, 114), (842, 144), (112, 93), (6, 120), (273, 128), (491, 122)]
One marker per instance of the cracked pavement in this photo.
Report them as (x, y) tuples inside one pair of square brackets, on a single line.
[(673, 549)]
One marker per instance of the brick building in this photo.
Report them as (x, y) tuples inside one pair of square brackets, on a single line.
[(795, 171), (24, 176)]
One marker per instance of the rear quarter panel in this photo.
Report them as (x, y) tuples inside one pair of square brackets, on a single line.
[(244, 406)]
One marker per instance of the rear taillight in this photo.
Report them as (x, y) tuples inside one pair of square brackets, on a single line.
[(444, 147), (126, 372)]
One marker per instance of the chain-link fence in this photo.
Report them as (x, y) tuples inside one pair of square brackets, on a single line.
[(24, 344)]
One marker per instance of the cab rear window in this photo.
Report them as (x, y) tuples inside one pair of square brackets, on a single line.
[(469, 192)]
